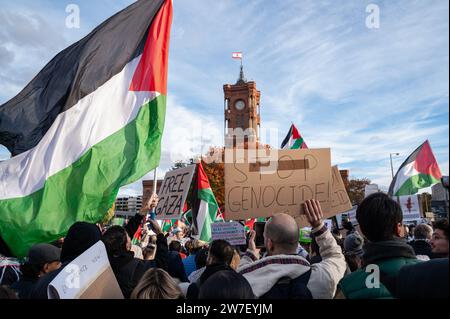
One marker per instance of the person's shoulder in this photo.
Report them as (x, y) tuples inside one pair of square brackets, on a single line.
[(40, 286)]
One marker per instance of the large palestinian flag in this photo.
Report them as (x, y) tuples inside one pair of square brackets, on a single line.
[(90, 122), (293, 140), (418, 171)]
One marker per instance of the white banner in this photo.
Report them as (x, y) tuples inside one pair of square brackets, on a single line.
[(410, 207)]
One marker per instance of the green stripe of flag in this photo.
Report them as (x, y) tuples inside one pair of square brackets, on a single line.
[(297, 143), (85, 190), (413, 184)]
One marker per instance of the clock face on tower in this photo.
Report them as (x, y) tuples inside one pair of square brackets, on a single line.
[(239, 105)]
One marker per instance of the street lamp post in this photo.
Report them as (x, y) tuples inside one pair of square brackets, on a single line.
[(392, 167)]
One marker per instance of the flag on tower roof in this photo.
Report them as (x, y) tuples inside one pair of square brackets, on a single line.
[(236, 55), (88, 123)]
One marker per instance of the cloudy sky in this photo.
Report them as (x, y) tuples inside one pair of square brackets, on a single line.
[(362, 92)]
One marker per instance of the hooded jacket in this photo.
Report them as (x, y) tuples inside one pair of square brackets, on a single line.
[(129, 270), (194, 288), (266, 275), (389, 257), (80, 237)]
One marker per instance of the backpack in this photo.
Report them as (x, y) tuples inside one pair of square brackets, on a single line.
[(287, 288)]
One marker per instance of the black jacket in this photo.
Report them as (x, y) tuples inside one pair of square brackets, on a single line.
[(129, 270), (176, 266), (133, 224), (24, 287), (421, 247), (287, 288), (194, 288), (426, 280)]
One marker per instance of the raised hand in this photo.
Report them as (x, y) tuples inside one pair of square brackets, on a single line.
[(313, 212)]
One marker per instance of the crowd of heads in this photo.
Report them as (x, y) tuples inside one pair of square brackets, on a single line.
[(167, 265)]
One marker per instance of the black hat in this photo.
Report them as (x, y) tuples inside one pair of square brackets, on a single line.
[(43, 254)]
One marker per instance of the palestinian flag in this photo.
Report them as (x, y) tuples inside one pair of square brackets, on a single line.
[(418, 171), (293, 140), (90, 122), (249, 224), (204, 206), (137, 237), (187, 217), (167, 225)]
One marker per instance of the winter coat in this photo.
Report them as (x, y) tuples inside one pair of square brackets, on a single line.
[(285, 276), (390, 256)]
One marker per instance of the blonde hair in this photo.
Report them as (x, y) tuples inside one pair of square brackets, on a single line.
[(156, 284)]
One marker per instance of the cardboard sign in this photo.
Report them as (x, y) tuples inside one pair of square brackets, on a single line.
[(410, 207), (89, 276), (260, 186), (340, 202), (232, 232), (173, 192)]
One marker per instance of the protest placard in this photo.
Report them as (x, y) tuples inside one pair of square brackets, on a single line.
[(89, 276), (340, 202), (232, 232), (410, 207), (349, 215), (370, 189), (255, 187), (173, 192)]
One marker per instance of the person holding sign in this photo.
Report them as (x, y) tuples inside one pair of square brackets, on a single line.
[(128, 269), (284, 274)]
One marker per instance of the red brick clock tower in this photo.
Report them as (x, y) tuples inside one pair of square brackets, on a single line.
[(242, 108)]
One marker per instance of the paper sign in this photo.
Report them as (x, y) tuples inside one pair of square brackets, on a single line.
[(232, 232), (350, 215), (340, 202), (410, 207), (257, 187), (370, 189), (89, 276), (173, 192), (328, 223)]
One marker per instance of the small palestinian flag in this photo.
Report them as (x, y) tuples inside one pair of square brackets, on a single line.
[(418, 171), (167, 225), (293, 140), (88, 123), (204, 206), (137, 236), (249, 224), (186, 217)]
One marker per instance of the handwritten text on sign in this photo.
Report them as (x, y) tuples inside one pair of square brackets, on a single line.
[(173, 192), (339, 200), (232, 232), (297, 175)]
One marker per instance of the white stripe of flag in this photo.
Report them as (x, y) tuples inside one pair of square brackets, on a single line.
[(237, 55)]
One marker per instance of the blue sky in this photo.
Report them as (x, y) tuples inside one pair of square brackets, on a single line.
[(362, 92)]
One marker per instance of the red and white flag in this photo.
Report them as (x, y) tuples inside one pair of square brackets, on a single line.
[(237, 55)]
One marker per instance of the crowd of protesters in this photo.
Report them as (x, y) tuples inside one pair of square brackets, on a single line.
[(381, 259)]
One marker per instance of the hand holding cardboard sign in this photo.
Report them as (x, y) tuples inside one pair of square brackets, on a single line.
[(313, 212), (155, 226), (152, 203)]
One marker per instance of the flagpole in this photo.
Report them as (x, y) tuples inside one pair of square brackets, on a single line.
[(155, 181)]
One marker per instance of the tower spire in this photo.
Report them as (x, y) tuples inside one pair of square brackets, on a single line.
[(242, 79)]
